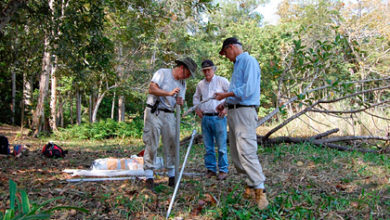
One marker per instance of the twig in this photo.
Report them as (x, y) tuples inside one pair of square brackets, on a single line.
[(290, 119), (327, 133), (377, 116), (349, 112), (351, 138), (355, 94)]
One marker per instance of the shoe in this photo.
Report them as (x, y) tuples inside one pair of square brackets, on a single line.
[(249, 192), (261, 199), (210, 174), (222, 175), (149, 184), (171, 181)]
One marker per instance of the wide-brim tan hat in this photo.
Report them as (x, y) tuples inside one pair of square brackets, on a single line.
[(189, 63)]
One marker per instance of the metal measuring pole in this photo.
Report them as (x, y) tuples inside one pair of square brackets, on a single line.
[(177, 151), (181, 174)]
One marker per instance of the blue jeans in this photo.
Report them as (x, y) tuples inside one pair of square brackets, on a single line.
[(214, 131)]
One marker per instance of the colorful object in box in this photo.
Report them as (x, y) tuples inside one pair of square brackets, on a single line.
[(134, 163)]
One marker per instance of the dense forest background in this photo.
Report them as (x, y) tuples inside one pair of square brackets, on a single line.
[(70, 63)]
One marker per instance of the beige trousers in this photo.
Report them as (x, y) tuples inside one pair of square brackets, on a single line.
[(243, 144), (155, 125)]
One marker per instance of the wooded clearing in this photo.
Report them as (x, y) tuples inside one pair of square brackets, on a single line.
[(77, 73)]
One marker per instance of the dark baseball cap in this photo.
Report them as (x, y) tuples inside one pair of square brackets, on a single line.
[(228, 41), (189, 63), (207, 64)]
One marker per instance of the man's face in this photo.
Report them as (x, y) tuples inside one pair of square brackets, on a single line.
[(229, 53), (185, 73), (208, 73)]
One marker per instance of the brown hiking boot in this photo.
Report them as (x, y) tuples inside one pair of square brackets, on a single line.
[(222, 175), (249, 193), (261, 199), (210, 174)]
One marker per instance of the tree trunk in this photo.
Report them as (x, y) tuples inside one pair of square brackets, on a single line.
[(13, 96), (53, 97), (60, 113), (78, 107), (27, 94), (113, 106), (22, 117), (121, 108), (98, 101), (71, 109), (39, 113), (90, 108), (120, 69)]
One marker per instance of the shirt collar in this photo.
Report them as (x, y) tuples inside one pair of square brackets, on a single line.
[(211, 79), (241, 56)]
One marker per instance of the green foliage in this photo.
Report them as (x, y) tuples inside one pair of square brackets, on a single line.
[(102, 129), (22, 208)]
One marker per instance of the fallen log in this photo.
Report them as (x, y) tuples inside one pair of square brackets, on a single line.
[(317, 140)]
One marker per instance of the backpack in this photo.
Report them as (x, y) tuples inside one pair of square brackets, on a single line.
[(4, 145), (53, 150)]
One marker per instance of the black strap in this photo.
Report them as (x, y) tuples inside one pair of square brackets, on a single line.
[(166, 110), (210, 114), (160, 109)]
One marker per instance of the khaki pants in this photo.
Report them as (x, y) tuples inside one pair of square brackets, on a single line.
[(163, 124), (243, 144)]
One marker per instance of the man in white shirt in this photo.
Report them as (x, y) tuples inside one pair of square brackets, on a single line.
[(166, 89), (213, 125)]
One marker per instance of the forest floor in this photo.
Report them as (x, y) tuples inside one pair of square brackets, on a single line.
[(303, 182)]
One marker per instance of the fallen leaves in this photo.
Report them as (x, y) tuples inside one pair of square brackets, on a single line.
[(209, 199)]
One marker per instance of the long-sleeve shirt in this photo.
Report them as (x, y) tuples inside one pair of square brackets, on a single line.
[(205, 89), (245, 81)]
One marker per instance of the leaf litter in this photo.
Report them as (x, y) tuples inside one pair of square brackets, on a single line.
[(298, 179)]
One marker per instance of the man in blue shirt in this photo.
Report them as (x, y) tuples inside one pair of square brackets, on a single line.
[(242, 100)]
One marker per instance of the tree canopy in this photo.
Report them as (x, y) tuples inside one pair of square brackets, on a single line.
[(100, 53)]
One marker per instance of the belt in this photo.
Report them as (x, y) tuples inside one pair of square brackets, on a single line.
[(233, 106), (210, 114), (161, 109)]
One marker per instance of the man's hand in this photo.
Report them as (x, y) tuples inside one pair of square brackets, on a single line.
[(179, 101), (199, 113), (222, 113), (154, 89), (174, 91), (221, 110), (222, 95)]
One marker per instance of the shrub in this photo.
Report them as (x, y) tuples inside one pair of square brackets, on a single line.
[(102, 130)]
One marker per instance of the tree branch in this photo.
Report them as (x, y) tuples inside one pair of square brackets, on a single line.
[(348, 112), (274, 112), (290, 119), (355, 94), (352, 138)]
